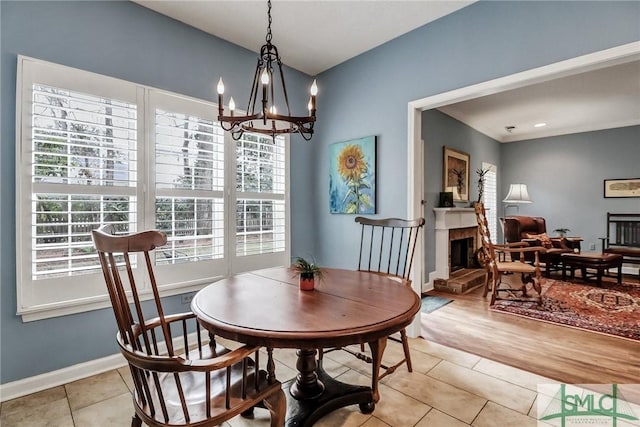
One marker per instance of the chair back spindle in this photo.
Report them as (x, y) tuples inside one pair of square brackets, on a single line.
[(387, 245)]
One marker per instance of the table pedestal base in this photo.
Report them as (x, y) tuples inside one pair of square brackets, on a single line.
[(303, 413)]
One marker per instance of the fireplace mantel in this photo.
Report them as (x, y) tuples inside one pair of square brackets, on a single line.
[(449, 219)]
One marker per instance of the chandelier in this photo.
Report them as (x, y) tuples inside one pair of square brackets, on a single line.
[(263, 117)]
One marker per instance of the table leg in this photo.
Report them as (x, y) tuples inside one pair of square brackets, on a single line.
[(377, 349), (307, 385), (305, 405)]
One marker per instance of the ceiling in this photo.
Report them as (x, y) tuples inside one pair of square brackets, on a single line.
[(313, 36), (599, 99)]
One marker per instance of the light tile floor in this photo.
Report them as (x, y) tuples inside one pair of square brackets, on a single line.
[(448, 388)]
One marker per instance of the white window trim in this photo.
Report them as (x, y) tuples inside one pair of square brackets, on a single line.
[(492, 214), (96, 84)]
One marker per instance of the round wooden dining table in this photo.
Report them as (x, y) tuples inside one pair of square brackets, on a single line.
[(267, 308)]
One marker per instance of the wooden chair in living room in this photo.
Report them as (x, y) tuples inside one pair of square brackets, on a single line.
[(201, 384), (387, 247), (497, 267)]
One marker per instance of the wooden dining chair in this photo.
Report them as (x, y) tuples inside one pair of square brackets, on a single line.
[(497, 265), (387, 247), (179, 378)]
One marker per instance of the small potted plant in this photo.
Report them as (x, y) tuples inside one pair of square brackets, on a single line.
[(481, 181), (307, 272), (561, 231)]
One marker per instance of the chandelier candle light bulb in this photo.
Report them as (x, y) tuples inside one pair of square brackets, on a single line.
[(314, 92)]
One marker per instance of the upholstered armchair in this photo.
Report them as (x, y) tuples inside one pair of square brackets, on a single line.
[(533, 230)]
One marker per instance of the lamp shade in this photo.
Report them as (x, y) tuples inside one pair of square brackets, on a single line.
[(518, 193)]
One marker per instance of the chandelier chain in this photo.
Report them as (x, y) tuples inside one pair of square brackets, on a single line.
[(269, 36)]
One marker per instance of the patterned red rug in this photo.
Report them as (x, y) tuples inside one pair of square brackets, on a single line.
[(610, 309)]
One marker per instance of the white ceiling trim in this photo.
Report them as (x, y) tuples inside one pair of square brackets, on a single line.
[(593, 61)]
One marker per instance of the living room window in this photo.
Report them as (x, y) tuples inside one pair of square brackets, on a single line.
[(94, 149)]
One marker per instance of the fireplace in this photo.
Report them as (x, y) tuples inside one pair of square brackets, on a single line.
[(456, 231), (453, 224), (461, 251), (462, 244)]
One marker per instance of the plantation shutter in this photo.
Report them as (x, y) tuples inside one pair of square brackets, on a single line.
[(80, 170), (189, 158), (260, 214), (491, 198)]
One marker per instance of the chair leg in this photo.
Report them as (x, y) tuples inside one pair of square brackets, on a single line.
[(485, 291), (277, 406), (405, 347), (494, 289), (136, 421)]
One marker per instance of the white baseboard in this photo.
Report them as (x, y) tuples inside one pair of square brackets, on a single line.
[(58, 377), (428, 286), (76, 372)]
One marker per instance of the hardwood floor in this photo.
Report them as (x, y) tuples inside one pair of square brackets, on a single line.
[(564, 354)]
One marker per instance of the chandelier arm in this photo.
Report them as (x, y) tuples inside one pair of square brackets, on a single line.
[(284, 87), (272, 85), (236, 135), (291, 119), (254, 89), (306, 137)]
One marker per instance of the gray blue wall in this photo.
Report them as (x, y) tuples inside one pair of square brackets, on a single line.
[(367, 95), (565, 174), (439, 130), (123, 40)]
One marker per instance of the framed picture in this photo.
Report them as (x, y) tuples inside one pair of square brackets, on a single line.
[(446, 200), (622, 187), (456, 174), (352, 176)]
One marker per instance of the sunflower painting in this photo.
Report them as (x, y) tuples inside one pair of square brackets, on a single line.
[(352, 176)]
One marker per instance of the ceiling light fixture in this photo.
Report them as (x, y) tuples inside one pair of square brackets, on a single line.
[(264, 119), (539, 125)]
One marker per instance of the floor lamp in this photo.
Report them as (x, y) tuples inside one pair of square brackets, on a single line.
[(517, 195)]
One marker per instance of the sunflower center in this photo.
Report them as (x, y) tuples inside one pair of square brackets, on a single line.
[(351, 162)]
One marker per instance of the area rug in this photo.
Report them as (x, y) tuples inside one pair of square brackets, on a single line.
[(610, 308), (432, 303)]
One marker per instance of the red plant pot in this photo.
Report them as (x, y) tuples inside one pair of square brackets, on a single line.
[(306, 281)]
